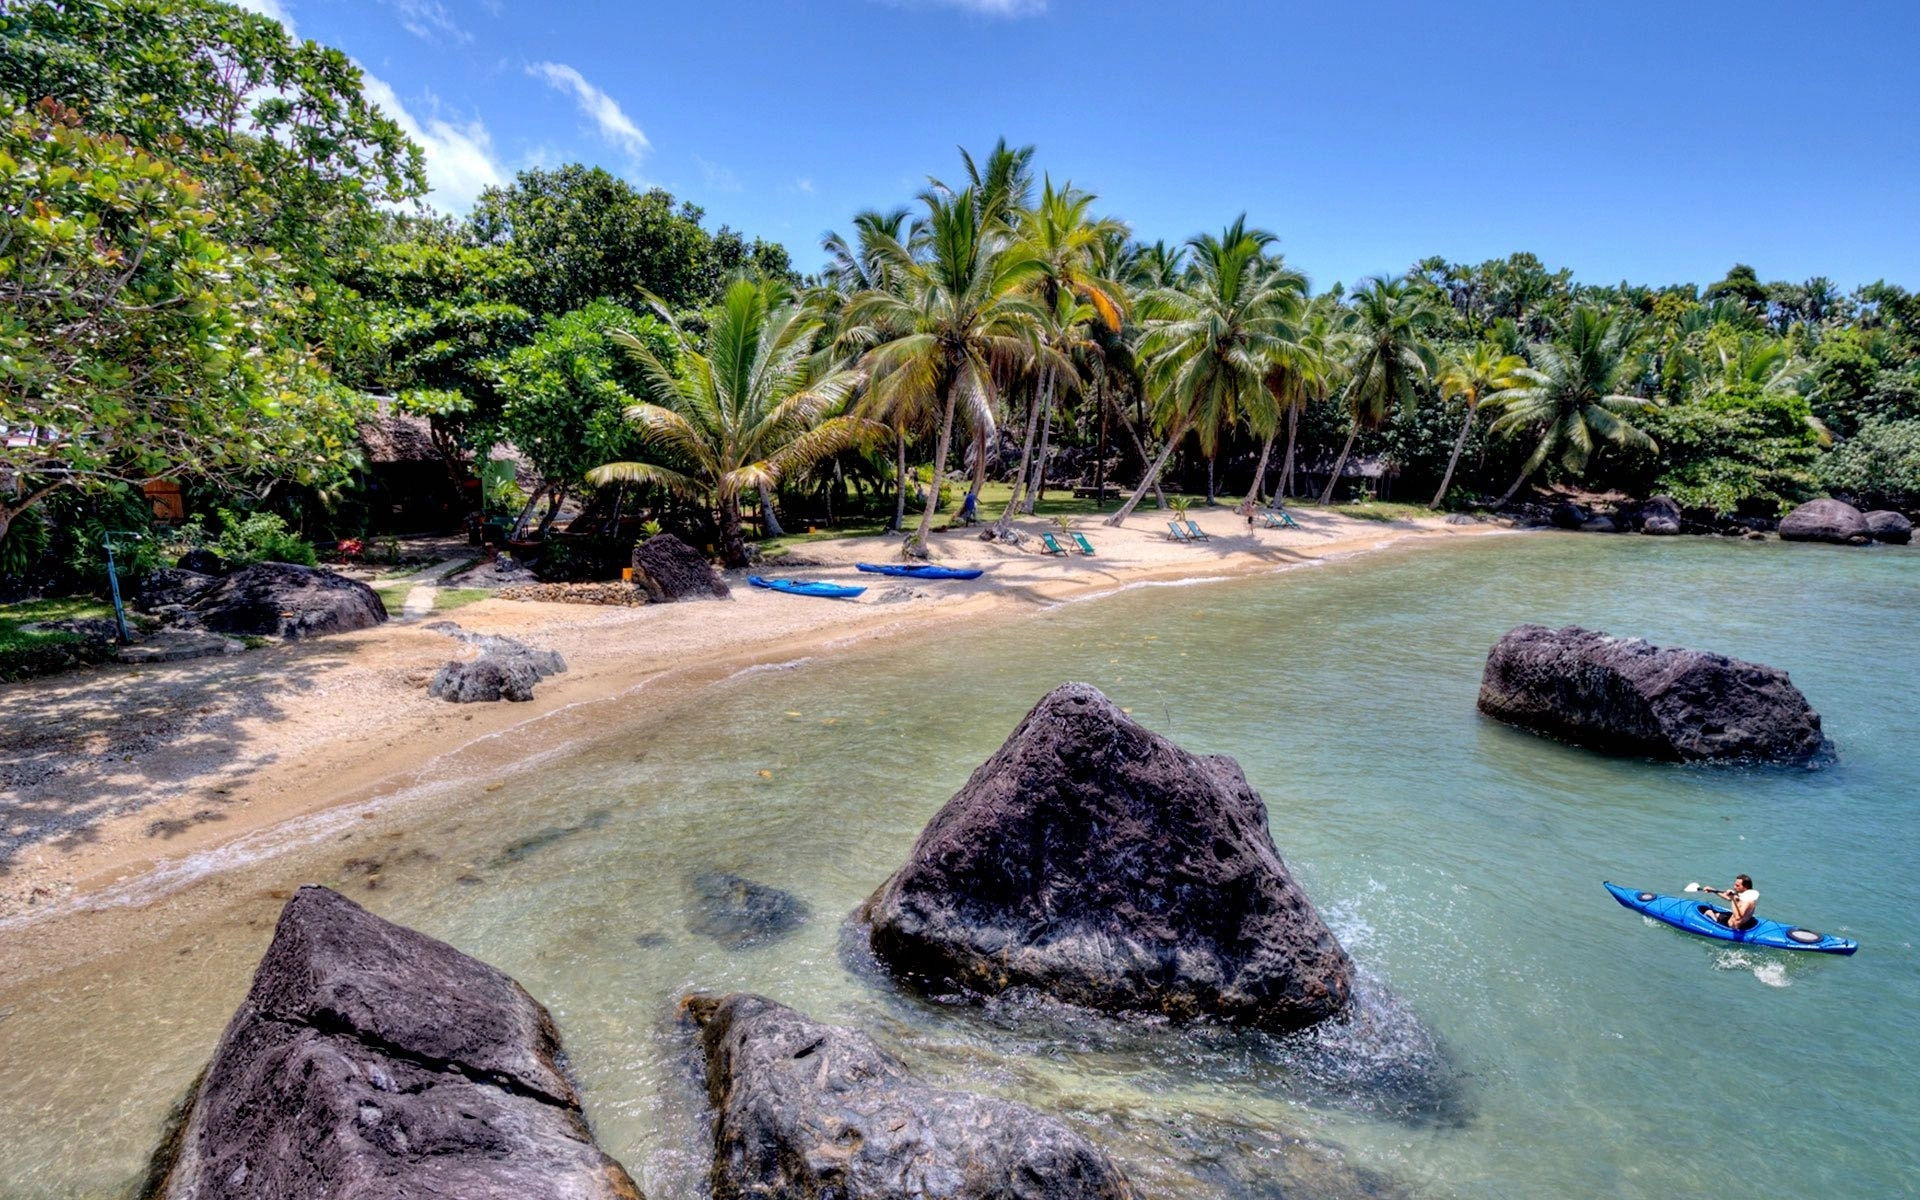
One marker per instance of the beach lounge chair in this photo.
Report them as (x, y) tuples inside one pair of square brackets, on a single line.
[(1080, 540), (1176, 533), (1198, 534), (1278, 518), (1053, 547)]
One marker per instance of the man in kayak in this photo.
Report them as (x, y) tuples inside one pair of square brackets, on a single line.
[(1744, 900)]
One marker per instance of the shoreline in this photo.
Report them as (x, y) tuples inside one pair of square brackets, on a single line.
[(291, 758)]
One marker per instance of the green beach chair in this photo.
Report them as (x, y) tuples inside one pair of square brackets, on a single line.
[(1080, 540), (1198, 534), (1053, 547), (1176, 533), (1279, 518)]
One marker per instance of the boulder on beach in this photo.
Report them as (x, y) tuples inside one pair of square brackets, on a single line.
[(1659, 516), (507, 668), (1095, 862), (168, 587), (1626, 696), (1885, 525), (1824, 521), (286, 601), (809, 1111), (670, 570), (1568, 515), (369, 1060), (1600, 523)]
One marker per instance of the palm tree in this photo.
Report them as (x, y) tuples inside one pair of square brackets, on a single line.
[(1470, 374), (870, 263), (1391, 320), (1209, 345), (1573, 395), (1311, 371), (740, 413), (958, 311)]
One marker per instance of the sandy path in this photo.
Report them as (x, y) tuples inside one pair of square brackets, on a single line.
[(110, 773)]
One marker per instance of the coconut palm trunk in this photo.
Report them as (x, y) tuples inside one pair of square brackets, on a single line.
[(899, 480), (1459, 444), (1340, 464), (1133, 435), (1286, 467), (767, 520), (1152, 476), (733, 542), (1258, 491), (1038, 485), (1519, 479), (1026, 458), (918, 545)]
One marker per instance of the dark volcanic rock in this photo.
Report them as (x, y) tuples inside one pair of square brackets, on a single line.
[(1824, 521), (1599, 524), (738, 912), (507, 668), (669, 570), (805, 1111), (1659, 527), (1662, 511), (369, 1060), (167, 586), (202, 562), (1626, 696), (1885, 525), (1098, 863), (287, 601), (1567, 515)]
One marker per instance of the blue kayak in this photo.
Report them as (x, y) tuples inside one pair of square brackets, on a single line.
[(1691, 916), (920, 571), (806, 587)]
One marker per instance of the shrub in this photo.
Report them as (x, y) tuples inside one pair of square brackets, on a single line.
[(1880, 464), (260, 537)]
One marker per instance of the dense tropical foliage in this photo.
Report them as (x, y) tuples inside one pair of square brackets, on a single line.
[(215, 265)]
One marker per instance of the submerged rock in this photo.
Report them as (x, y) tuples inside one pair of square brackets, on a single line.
[(669, 569), (1626, 696), (369, 1060), (1096, 862), (1824, 521), (1885, 525), (737, 912), (806, 1111), (287, 601)]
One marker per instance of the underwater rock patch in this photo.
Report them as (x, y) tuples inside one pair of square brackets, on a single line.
[(738, 913)]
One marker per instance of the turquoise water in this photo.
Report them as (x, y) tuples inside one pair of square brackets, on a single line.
[(1585, 1051)]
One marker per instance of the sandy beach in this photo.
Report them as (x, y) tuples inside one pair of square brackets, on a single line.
[(113, 774)]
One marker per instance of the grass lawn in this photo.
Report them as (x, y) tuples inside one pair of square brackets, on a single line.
[(24, 653), (449, 598), (394, 596)]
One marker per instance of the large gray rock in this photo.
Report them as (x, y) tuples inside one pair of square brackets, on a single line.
[(507, 668), (287, 601), (670, 570), (1629, 697), (806, 1111), (1659, 516), (165, 587), (1568, 515), (370, 1061), (1098, 863), (1885, 525), (1824, 521)]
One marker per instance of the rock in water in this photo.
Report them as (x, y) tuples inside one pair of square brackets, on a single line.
[(1658, 517), (738, 913), (1097, 862), (369, 1060), (287, 601), (669, 570), (1625, 696), (1824, 521), (1568, 515), (1885, 525), (805, 1111)]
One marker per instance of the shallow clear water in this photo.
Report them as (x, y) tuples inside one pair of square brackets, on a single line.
[(1587, 1052)]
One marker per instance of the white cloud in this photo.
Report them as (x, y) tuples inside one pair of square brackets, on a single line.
[(270, 8), (986, 8), (460, 158), (718, 177), (425, 19), (803, 185), (614, 124)]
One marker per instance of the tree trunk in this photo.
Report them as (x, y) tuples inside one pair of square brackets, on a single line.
[(1286, 469), (1210, 459), (900, 481), (1459, 444), (1038, 488), (1522, 478), (767, 520), (1152, 476), (918, 545), (1258, 491), (526, 514), (1133, 435), (1026, 457), (979, 460), (1100, 455), (556, 497), (1340, 464), (733, 543)]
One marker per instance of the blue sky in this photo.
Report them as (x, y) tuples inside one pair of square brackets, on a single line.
[(1650, 141)]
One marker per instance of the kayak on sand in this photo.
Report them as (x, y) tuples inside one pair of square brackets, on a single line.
[(920, 571), (806, 587), (1690, 916)]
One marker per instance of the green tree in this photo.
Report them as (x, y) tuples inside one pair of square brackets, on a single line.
[(1392, 323), (1471, 373), (1738, 449), (1880, 464), (956, 312), (741, 411), (134, 343), (1573, 396)]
